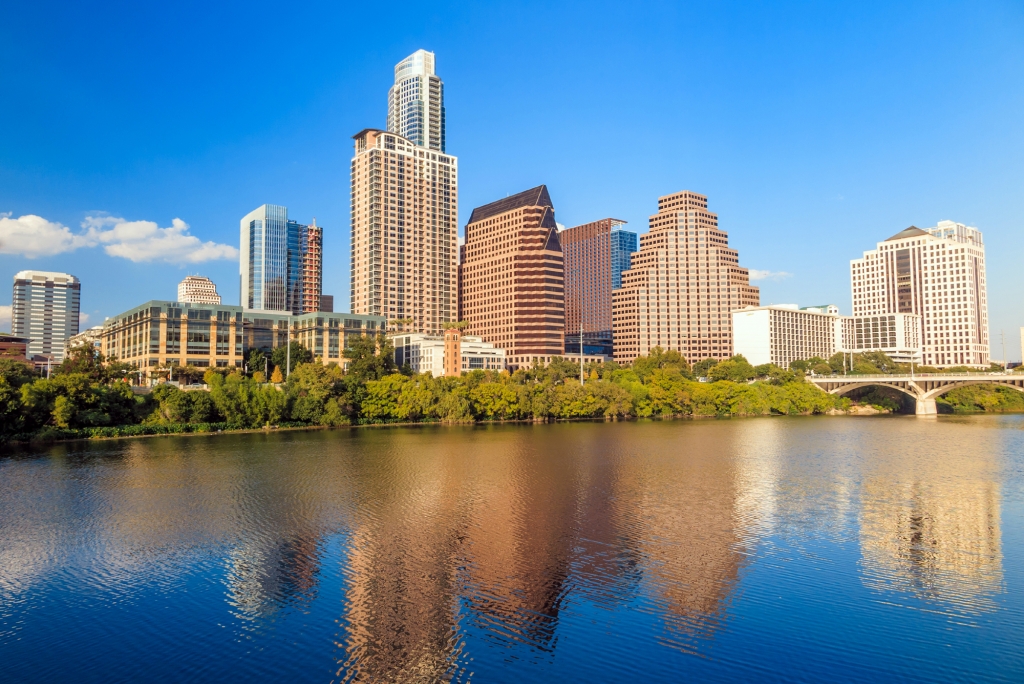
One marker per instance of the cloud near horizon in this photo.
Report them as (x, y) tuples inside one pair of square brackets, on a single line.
[(758, 274), (33, 236), (6, 311)]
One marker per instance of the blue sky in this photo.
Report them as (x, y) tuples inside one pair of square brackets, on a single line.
[(815, 129)]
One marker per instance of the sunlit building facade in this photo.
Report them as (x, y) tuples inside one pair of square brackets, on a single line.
[(275, 265), (416, 102), (198, 290), (938, 274), (45, 309)]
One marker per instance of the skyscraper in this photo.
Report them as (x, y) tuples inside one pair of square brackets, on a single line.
[(624, 243), (937, 273), (45, 309), (198, 290), (593, 263), (416, 102), (511, 277), (404, 231), (313, 269), (274, 259), (682, 285)]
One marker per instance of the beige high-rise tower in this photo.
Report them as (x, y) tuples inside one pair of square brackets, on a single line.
[(682, 285), (404, 231)]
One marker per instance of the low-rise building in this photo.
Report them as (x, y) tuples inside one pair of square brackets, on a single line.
[(91, 337), (434, 354), (160, 334), (783, 333)]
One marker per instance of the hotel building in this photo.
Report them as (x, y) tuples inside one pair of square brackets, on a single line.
[(682, 285), (511, 289), (781, 334), (404, 231), (939, 274), (416, 102), (274, 261), (593, 263), (160, 334), (198, 290), (451, 354), (45, 309)]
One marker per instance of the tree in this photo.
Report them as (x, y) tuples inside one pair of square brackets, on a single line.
[(369, 358), (644, 366), (702, 368), (299, 354), (256, 361), (736, 369), (16, 373), (277, 376)]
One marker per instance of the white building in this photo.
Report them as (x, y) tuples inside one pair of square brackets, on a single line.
[(939, 274), (198, 290), (416, 102), (425, 353), (45, 309), (93, 337), (783, 333)]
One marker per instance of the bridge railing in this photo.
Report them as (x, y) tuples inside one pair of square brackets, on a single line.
[(904, 376)]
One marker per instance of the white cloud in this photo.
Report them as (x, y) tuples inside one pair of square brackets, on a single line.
[(83, 318), (146, 241), (6, 311), (758, 274), (33, 236)]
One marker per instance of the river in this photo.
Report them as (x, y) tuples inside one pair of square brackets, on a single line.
[(768, 549)]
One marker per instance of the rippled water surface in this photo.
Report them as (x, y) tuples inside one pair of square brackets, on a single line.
[(805, 549)]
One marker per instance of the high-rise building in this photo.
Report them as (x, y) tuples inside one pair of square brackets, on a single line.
[(198, 290), (273, 261), (404, 231), (416, 102), (45, 309), (511, 277), (591, 252), (312, 268), (682, 285), (937, 273), (624, 243)]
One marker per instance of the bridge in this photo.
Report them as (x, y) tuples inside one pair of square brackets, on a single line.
[(923, 388)]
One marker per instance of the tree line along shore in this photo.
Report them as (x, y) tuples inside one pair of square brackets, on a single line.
[(89, 397)]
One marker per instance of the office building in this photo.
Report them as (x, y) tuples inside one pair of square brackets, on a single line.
[(624, 243), (277, 261), (161, 334), (416, 102), (783, 333), (313, 268), (682, 285), (511, 289), (937, 273), (327, 303), (198, 290), (591, 252), (45, 309), (404, 231), (450, 354)]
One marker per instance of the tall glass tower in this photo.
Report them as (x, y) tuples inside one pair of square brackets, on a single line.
[(416, 102), (271, 265), (624, 243)]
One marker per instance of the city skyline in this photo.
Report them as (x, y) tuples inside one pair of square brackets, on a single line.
[(795, 251)]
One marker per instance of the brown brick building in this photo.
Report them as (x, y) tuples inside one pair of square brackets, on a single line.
[(312, 268), (682, 286), (511, 286)]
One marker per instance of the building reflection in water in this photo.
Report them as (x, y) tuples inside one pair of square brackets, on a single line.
[(930, 527)]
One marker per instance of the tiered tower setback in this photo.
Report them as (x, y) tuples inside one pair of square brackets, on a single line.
[(682, 285)]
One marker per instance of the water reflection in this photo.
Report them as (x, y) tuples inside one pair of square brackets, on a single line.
[(449, 543)]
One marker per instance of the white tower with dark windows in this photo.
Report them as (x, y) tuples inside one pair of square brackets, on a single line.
[(46, 310), (416, 102)]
